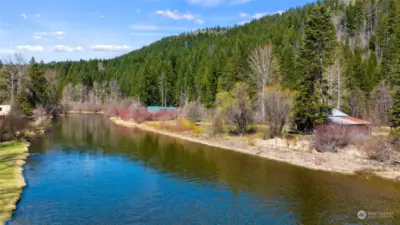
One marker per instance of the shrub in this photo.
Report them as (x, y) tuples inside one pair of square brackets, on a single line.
[(194, 111), (163, 115), (124, 109), (11, 127), (179, 125), (39, 112), (141, 114), (217, 123), (382, 149), (236, 107), (277, 105), (331, 137), (189, 125)]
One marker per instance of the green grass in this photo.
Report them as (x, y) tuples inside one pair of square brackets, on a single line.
[(12, 157)]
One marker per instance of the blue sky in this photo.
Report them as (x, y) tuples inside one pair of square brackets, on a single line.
[(53, 30)]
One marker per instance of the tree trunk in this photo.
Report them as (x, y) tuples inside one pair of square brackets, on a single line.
[(339, 90)]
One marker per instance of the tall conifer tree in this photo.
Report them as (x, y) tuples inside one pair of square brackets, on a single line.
[(315, 56)]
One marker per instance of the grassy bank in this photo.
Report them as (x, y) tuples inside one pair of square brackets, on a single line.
[(12, 158), (296, 152)]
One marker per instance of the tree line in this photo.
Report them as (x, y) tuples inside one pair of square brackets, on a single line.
[(331, 54)]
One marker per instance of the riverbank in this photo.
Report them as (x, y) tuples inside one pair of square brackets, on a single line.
[(84, 112), (12, 158), (346, 161)]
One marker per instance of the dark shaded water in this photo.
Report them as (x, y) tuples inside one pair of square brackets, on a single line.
[(90, 171)]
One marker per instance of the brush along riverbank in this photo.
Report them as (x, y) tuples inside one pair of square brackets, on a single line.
[(297, 152)]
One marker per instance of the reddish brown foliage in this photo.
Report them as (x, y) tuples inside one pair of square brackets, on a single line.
[(141, 114)]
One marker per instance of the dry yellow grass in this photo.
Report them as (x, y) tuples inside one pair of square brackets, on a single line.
[(12, 158)]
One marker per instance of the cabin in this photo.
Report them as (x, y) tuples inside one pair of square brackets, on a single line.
[(336, 117), (5, 110), (156, 109)]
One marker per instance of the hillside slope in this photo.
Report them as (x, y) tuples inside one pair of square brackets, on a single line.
[(195, 66)]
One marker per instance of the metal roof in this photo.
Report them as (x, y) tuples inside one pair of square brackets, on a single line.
[(339, 117), (337, 113)]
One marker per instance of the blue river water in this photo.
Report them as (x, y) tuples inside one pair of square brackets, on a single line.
[(90, 171)]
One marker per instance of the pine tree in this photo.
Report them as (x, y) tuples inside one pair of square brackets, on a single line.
[(38, 84), (288, 65), (35, 92), (316, 55), (4, 92), (395, 112)]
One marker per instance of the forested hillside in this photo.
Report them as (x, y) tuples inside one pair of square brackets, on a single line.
[(348, 59)]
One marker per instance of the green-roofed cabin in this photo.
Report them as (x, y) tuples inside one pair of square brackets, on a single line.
[(155, 109)]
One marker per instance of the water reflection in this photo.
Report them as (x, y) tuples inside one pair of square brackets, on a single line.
[(239, 188)]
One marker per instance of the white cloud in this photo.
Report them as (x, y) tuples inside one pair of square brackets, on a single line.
[(242, 14), (199, 21), (205, 2), (258, 15), (54, 35), (144, 27), (24, 15), (110, 48), (243, 22), (58, 34), (37, 15), (175, 15), (64, 48), (30, 48)]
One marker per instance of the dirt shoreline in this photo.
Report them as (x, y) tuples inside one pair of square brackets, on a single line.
[(16, 154), (347, 161)]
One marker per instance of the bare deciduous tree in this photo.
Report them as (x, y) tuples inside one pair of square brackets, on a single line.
[(80, 93), (52, 79), (260, 63), (97, 91), (356, 102), (114, 94), (14, 74), (67, 97), (239, 110), (100, 66), (335, 83), (80, 97), (194, 111), (277, 106)]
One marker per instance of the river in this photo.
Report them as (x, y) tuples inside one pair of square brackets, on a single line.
[(88, 170)]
